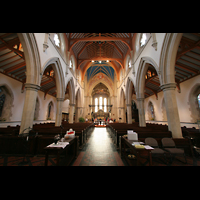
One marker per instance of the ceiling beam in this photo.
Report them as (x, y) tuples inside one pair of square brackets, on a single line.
[(155, 83), (100, 59), (46, 82), (8, 58), (99, 38), (47, 91), (181, 53), (81, 51), (185, 67), (112, 43), (15, 67), (2, 66), (154, 91), (12, 49)]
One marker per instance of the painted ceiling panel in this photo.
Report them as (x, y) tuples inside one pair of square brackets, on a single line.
[(107, 70)]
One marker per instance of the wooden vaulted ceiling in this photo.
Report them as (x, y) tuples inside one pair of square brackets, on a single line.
[(187, 64), (13, 64), (100, 46)]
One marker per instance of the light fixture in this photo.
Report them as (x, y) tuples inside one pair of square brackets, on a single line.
[(100, 61), (107, 60), (92, 60)]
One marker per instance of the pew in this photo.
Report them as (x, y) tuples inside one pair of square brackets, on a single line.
[(120, 129), (12, 143)]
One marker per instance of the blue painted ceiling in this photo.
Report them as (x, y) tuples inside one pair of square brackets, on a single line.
[(95, 69)]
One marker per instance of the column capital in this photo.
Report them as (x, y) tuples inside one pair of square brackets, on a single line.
[(30, 86), (120, 107), (60, 99), (140, 99), (168, 86), (128, 104), (72, 104)]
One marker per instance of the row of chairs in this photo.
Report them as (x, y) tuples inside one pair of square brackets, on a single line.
[(169, 148)]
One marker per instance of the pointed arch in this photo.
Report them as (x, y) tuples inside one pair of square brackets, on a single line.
[(71, 90), (140, 77), (105, 83), (32, 57), (129, 87), (59, 75), (168, 57)]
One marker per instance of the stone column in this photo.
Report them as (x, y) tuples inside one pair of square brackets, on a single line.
[(122, 114), (59, 111), (29, 107), (79, 112), (172, 109), (129, 114), (141, 112), (71, 113)]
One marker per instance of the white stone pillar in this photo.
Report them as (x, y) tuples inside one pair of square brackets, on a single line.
[(79, 113), (59, 111), (172, 109), (71, 113), (129, 114), (141, 112), (29, 107), (122, 115)]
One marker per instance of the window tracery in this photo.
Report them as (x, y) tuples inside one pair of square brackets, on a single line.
[(198, 98), (2, 100), (143, 39), (56, 40)]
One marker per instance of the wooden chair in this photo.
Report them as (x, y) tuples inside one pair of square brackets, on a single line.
[(156, 152), (169, 145)]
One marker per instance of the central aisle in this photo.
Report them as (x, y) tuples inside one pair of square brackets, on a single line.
[(99, 151)]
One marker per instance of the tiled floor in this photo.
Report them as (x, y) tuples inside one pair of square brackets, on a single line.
[(99, 151)]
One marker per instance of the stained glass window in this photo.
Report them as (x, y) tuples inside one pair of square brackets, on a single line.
[(105, 106), (56, 40), (96, 105), (198, 98), (100, 102), (2, 100), (143, 39)]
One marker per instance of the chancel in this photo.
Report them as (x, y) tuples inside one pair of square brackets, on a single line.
[(100, 85)]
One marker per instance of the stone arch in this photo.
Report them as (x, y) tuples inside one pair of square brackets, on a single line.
[(57, 67), (71, 90), (140, 78), (129, 87), (122, 106), (73, 69), (168, 57), (79, 108), (126, 63), (32, 57), (105, 83)]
